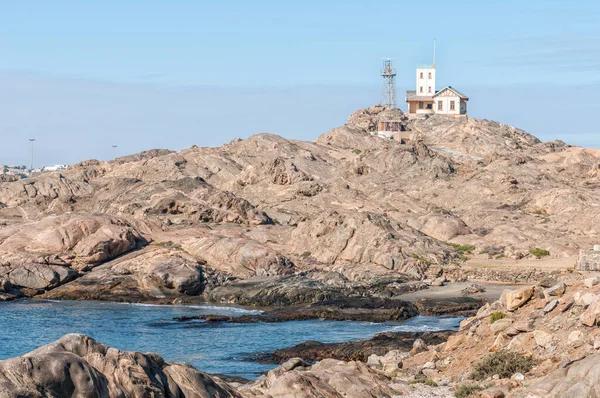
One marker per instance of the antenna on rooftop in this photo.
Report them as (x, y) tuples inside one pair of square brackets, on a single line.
[(388, 93)]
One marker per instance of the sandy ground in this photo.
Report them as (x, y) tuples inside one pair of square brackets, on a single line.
[(492, 291), (549, 264)]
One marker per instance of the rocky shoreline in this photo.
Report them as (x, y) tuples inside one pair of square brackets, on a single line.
[(534, 341), (343, 228), (380, 345)]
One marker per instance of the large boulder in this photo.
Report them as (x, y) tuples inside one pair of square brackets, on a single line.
[(581, 379), (153, 273), (237, 254), (328, 378), (44, 254), (516, 298), (78, 366), (344, 238)]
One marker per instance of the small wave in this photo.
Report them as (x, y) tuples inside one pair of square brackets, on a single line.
[(218, 308), (223, 308)]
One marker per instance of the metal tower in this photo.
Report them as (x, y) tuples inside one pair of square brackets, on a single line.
[(388, 94)]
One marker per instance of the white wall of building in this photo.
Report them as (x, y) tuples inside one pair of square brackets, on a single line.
[(446, 103), (427, 82)]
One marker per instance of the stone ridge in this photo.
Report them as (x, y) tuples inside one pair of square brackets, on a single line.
[(352, 213)]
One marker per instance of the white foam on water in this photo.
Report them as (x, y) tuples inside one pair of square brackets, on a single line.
[(223, 308), (200, 307)]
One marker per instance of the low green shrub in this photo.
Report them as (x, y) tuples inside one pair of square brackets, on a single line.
[(169, 245), (466, 390), (496, 316), (502, 363), (539, 253), (421, 258), (462, 249), (427, 382)]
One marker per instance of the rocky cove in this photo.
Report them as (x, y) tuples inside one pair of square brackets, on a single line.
[(224, 348), (339, 240)]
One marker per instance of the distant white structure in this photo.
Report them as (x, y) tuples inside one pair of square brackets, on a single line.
[(425, 100), (56, 167)]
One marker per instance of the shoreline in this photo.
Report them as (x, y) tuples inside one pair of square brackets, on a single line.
[(434, 300)]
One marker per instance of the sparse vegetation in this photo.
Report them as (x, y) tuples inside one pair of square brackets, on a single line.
[(427, 382), (539, 253), (484, 251), (356, 151), (497, 316), (420, 258), (462, 249), (503, 364), (169, 245), (467, 390), (499, 256)]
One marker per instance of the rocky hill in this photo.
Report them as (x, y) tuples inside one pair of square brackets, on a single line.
[(348, 213)]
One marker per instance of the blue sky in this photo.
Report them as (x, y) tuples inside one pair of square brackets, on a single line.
[(80, 76)]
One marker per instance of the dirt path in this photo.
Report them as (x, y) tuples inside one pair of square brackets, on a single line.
[(492, 291), (546, 264)]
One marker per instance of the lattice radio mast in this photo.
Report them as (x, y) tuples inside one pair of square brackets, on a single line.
[(388, 94)]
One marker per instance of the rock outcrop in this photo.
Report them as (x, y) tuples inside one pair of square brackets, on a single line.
[(349, 204), (555, 327), (78, 366)]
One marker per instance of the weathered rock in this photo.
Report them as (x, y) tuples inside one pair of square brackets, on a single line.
[(580, 379), (518, 297), (584, 299), (551, 305), (575, 337), (396, 344), (492, 392), (418, 346), (542, 338), (591, 316), (556, 290), (327, 379), (77, 365), (501, 341), (151, 273), (473, 289), (500, 325), (591, 282), (389, 363)]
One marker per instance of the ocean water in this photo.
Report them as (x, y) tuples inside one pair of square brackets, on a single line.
[(213, 348)]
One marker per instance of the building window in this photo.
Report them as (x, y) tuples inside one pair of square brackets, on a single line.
[(430, 75), (421, 75), (429, 106), (429, 89), (420, 105), (421, 89), (440, 106), (451, 105)]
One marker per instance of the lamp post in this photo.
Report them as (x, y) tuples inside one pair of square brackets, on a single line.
[(114, 147), (31, 140)]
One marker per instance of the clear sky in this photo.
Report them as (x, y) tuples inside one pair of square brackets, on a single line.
[(82, 75)]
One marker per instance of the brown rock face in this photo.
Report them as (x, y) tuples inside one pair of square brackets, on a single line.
[(78, 366), (349, 204), (327, 379), (44, 254), (516, 298), (153, 273)]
